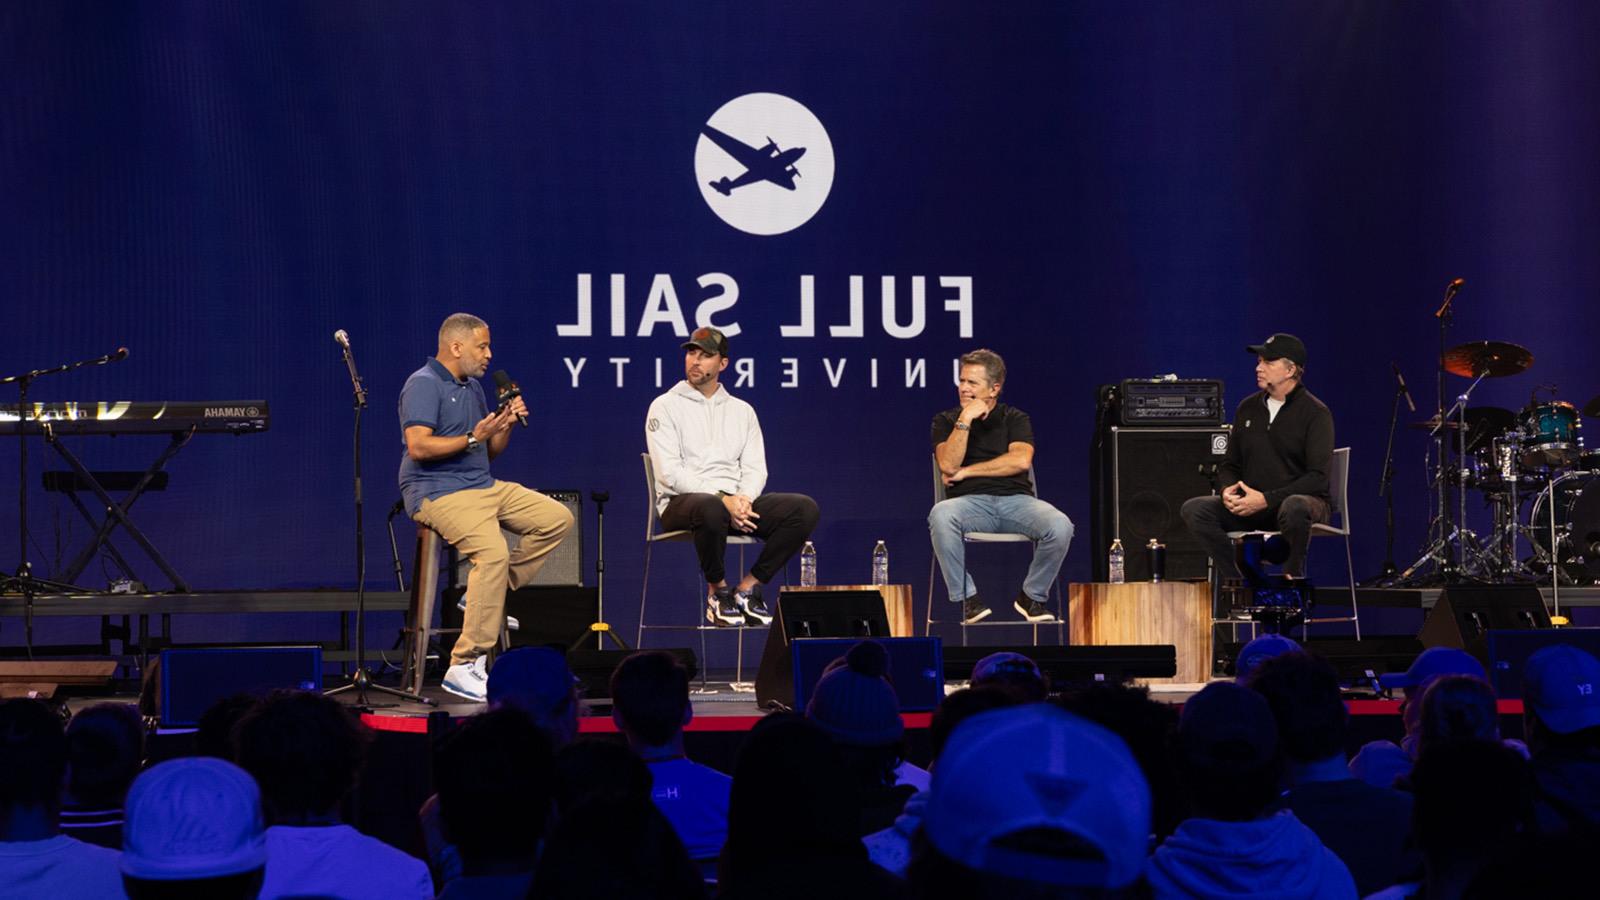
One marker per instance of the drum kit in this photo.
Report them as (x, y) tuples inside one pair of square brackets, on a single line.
[(1531, 469)]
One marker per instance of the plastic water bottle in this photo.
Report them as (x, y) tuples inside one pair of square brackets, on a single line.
[(808, 565), (880, 564), (1119, 569)]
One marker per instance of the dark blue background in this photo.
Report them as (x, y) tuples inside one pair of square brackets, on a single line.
[(1134, 188)]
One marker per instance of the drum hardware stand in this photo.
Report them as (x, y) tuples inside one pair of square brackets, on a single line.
[(1555, 555), (361, 680), (599, 628), (24, 582)]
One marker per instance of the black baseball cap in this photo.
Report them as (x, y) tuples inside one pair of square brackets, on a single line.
[(1279, 346), (710, 340)]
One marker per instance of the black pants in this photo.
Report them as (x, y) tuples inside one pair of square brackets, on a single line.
[(1209, 521), (785, 524)]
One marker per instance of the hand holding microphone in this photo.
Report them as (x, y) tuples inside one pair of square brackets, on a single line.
[(507, 391)]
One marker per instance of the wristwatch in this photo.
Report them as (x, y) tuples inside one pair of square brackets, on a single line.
[(472, 442), (962, 426)]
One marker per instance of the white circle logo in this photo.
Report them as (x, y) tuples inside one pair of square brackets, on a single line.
[(764, 163)]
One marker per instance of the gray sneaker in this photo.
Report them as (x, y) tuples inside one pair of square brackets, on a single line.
[(973, 610), (721, 608)]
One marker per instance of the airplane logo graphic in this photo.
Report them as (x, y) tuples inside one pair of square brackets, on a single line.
[(745, 163), (765, 164)]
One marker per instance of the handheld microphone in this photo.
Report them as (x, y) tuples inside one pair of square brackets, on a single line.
[(506, 390), (342, 339), (1403, 389)]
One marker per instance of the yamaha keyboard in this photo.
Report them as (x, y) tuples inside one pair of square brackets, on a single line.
[(138, 417)]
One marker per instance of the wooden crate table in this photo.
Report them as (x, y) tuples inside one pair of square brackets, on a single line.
[(1169, 612)]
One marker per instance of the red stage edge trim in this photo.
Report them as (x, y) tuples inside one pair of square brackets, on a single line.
[(604, 725)]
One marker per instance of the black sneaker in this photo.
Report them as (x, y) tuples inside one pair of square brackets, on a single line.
[(755, 609), (721, 608), (973, 610), (1033, 610)]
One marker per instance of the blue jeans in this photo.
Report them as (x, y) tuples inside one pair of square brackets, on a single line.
[(1048, 528)]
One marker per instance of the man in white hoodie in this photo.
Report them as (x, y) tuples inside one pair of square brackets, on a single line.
[(711, 466), (1234, 846)]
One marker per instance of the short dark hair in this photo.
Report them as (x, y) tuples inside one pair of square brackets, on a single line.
[(993, 366), (1456, 708), (494, 777), (459, 323), (304, 750), (649, 692), (214, 737), (33, 754), (105, 747), (1303, 692), (959, 706)]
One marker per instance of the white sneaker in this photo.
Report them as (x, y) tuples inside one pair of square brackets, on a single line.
[(469, 681), (511, 621)]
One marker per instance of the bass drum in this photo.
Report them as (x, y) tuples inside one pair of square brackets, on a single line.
[(1576, 506)]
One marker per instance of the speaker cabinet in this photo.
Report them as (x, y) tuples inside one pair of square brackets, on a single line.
[(916, 668), (191, 679), (549, 614), (1140, 478), (1464, 615), (840, 613), (564, 565)]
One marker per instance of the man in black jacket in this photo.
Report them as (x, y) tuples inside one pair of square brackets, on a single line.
[(1275, 474)]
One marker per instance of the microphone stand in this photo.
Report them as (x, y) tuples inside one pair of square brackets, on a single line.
[(599, 628), (1386, 491), (361, 681), (23, 581)]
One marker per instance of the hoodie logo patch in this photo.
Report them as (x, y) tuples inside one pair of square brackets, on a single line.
[(654, 424)]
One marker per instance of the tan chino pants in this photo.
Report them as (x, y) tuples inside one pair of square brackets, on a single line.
[(471, 521)]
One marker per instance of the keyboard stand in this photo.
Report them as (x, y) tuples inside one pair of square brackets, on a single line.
[(117, 513)]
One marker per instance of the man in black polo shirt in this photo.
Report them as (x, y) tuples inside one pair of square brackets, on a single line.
[(1275, 474), (985, 453)]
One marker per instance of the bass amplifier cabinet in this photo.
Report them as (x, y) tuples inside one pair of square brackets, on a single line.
[(1139, 479), (564, 565), (1169, 402)]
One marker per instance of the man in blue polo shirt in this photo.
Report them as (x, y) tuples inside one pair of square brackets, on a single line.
[(450, 436)]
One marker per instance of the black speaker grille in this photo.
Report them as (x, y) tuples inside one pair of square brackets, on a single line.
[(1153, 471)]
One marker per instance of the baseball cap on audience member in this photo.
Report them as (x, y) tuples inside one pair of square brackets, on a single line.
[(1259, 651), (709, 339), (1072, 775), (196, 817), (1227, 727), (1432, 663), (1562, 684), (532, 678), (1280, 346), (1007, 664), (853, 701)]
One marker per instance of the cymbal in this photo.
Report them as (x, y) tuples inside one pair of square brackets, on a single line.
[(1492, 359), (1592, 408)]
